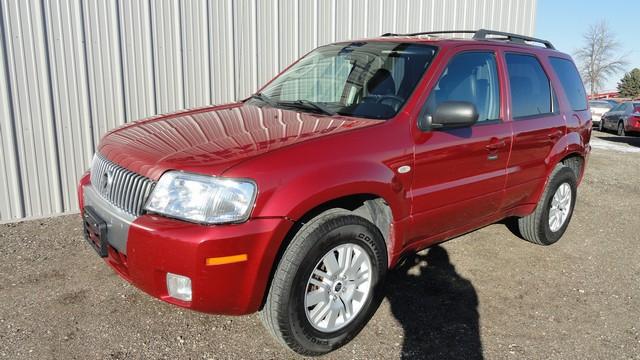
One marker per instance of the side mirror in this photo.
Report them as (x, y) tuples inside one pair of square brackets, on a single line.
[(450, 115)]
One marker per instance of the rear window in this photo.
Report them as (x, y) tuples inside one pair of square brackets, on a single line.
[(600, 104), (531, 93), (571, 82)]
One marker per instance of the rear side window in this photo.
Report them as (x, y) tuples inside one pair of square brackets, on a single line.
[(470, 77), (628, 108), (571, 82), (531, 93)]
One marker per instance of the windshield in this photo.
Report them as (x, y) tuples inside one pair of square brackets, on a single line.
[(362, 79)]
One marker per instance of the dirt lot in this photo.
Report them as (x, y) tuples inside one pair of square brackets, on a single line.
[(484, 295)]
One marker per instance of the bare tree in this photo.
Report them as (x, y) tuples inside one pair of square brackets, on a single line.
[(599, 56)]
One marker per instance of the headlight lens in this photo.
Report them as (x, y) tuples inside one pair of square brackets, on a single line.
[(201, 198)]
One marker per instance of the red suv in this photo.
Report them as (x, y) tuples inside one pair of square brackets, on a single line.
[(296, 201)]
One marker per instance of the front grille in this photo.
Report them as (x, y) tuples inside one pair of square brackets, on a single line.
[(124, 189)]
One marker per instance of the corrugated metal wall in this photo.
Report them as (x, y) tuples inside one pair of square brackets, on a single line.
[(72, 69)]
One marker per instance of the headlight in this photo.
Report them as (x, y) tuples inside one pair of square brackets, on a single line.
[(201, 198)]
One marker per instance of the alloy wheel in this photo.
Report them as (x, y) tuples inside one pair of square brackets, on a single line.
[(338, 287), (560, 206), (621, 130)]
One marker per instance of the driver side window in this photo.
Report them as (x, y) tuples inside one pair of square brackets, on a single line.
[(470, 77)]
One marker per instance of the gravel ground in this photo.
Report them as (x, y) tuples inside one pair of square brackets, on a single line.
[(483, 295)]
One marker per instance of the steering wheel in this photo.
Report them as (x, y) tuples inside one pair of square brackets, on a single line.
[(397, 101)]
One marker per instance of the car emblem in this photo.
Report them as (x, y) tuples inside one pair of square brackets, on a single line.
[(107, 181)]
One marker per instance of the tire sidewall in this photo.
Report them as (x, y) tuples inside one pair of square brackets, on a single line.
[(337, 231), (563, 175)]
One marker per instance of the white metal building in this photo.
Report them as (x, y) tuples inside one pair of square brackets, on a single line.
[(72, 69)]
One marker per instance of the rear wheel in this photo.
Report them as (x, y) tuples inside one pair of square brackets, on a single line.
[(621, 131), (327, 284), (548, 222)]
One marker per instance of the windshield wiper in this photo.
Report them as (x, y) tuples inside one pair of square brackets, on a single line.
[(300, 104), (309, 105), (265, 99)]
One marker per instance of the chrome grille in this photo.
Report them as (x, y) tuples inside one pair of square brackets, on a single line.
[(124, 189)]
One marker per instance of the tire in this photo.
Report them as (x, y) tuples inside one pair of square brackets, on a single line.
[(621, 131), (286, 313), (601, 126), (536, 227)]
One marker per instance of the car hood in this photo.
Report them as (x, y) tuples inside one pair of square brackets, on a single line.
[(211, 140)]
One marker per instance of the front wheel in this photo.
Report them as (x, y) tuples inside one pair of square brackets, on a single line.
[(621, 131), (601, 125), (327, 284), (548, 222)]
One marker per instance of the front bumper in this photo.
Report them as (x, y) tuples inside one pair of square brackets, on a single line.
[(157, 245)]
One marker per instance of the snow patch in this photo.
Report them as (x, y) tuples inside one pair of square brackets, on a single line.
[(608, 145)]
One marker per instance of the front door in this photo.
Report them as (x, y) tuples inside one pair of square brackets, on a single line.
[(460, 173)]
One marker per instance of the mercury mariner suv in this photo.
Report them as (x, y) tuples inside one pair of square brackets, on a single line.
[(297, 201)]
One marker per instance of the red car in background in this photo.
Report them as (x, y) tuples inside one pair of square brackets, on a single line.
[(623, 118), (296, 201)]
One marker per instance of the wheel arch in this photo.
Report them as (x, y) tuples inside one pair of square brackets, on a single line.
[(574, 159), (370, 206)]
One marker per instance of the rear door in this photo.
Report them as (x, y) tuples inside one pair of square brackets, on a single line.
[(612, 117), (459, 174), (537, 125)]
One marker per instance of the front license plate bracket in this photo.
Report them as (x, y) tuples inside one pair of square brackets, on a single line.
[(95, 231)]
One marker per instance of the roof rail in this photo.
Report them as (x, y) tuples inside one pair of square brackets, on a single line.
[(484, 34), (432, 33)]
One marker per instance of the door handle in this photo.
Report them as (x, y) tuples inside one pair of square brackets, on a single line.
[(496, 145), (493, 148)]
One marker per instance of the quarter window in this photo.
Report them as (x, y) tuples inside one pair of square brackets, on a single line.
[(571, 82), (471, 77), (531, 93)]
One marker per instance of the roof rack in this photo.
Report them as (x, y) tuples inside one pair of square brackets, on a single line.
[(432, 33), (520, 39), (484, 34)]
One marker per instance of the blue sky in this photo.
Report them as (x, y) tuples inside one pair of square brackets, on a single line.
[(564, 21)]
